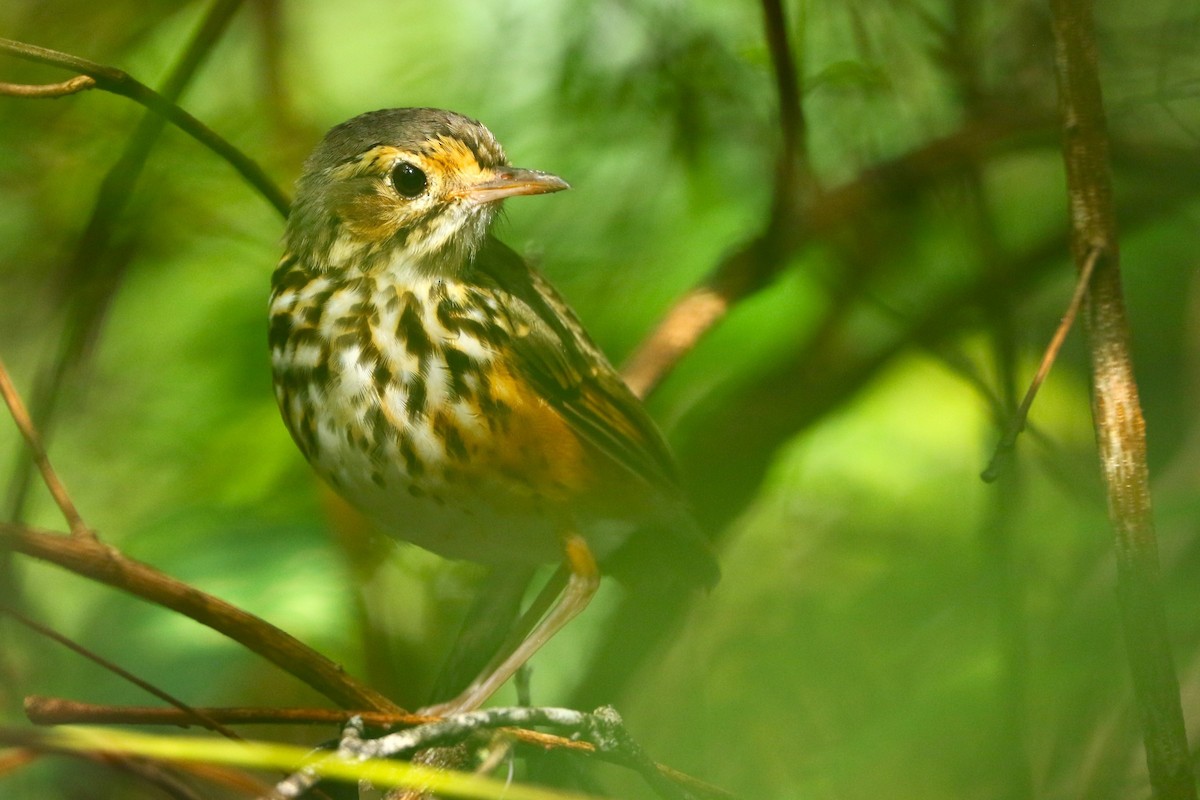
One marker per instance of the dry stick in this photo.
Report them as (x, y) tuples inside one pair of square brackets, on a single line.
[(1017, 424), (103, 564), (1116, 410), (192, 714), (48, 91), (20, 416)]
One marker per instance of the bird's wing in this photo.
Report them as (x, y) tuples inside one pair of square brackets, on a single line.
[(561, 362)]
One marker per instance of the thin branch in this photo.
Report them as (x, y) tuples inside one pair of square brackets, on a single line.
[(191, 713), (1116, 409), (300, 782), (61, 711), (1017, 424), (48, 91), (108, 566), (20, 416), (111, 79)]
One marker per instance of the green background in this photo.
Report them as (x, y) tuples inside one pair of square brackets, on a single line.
[(888, 625)]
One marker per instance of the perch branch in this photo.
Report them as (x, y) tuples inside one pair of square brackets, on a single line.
[(603, 729)]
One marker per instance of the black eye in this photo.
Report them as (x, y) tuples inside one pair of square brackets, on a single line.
[(408, 180)]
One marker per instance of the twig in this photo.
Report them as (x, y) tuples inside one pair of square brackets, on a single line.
[(752, 265), (603, 729), (93, 560), (299, 782), (191, 713), (59, 711), (20, 416), (48, 91), (1017, 424), (608, 732), (1116, 409), (111, 79)]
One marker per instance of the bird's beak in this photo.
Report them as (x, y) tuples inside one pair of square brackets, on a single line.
[(513, 181)]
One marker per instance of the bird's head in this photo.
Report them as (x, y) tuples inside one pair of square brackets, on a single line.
[(417, 184)]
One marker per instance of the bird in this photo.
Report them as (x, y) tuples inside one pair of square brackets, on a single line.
[(439, 383)]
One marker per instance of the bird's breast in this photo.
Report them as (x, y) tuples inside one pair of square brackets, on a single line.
[(404, 398)]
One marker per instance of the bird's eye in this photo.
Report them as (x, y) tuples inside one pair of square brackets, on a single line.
[(408, 180)]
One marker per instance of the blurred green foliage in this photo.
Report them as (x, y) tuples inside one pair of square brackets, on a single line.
[(887, 625)]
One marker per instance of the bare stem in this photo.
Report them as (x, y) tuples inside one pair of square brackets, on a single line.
[(20, 416), (44, 91), (1017, 424), (1116, 409)]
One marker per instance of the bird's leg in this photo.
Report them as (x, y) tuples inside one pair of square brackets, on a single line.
[(583, 578), (495, 623)]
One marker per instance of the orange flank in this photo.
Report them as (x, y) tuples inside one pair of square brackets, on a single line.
[(532, 444)]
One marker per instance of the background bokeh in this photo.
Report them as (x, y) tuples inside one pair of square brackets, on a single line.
[(888, 625)]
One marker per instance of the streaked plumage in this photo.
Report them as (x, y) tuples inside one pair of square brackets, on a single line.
[(436, 380)]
